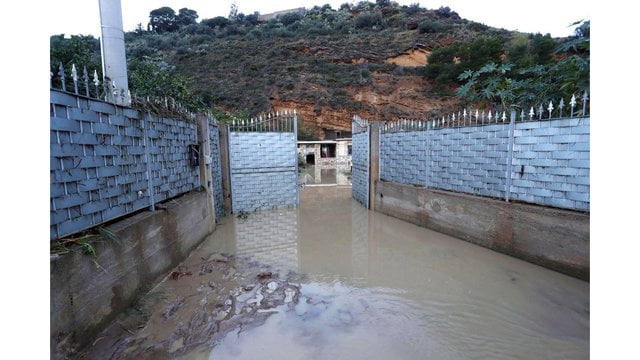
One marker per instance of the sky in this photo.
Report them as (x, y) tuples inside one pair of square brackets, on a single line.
[(545, 16)]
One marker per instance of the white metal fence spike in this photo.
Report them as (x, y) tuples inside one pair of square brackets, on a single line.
[(550, 108), (85, 79), (585, 98), (74, 76), (540, 111), (504, 116), (61, 74), (531, 113)]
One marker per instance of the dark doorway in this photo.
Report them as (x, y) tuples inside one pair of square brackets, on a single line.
[(311, 159)]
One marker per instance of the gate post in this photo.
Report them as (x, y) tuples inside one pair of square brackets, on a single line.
[(295, 136), (374, 161), (224, 167), (205, 160)]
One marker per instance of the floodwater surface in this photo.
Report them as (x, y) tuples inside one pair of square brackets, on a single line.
[(339, 282)]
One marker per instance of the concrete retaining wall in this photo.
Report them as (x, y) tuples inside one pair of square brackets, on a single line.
[(553, 238), (85, 298)]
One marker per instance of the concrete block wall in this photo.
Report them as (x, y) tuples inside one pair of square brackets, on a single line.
[(403, 157), (550, 163), (550, 160), (469, 159), (263, 170), (216, 169), (360, 167), (104, 159)]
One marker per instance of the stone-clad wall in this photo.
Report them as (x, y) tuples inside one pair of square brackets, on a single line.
[(550, 160), (551, 163), (403, 157), (104, 159), (263, 170), (469, 159)]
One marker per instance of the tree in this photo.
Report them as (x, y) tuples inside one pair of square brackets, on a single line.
[(151, 78), (186, 17), (508, 84), (220, 21), (163, 20), (82, 50)]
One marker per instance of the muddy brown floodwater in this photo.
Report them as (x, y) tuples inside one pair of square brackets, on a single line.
[(331, 280)]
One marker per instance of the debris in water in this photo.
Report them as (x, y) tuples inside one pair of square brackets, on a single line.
[(177, 274), (264, 276), (174, 306)]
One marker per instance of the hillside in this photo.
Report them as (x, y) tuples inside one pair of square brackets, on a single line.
[(329, 64)]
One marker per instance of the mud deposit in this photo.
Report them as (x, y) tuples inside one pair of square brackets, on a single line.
[(332, 280)]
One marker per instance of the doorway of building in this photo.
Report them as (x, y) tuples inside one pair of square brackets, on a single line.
[(311, 159)]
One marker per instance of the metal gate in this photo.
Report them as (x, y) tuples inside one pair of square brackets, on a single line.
[(263, 160), (360, 160)]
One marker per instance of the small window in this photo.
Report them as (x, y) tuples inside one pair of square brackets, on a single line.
[(328, 150), (349, 148)]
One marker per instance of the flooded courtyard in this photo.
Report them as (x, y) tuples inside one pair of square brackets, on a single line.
[(332, 280)]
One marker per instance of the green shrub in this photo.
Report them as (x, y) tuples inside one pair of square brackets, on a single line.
[(476, 26), (290, 18), (429, 26), (367, 20), (220, 21)]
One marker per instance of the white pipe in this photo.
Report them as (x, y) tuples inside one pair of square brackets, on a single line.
[(114, 62)]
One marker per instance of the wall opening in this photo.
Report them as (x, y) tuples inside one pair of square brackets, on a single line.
[(311, 159)]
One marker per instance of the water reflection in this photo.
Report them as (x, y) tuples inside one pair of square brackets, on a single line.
[(377, 287), (326, 175)]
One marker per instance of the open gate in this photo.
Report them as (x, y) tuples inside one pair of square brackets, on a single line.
[(263, 161), (360, 160)]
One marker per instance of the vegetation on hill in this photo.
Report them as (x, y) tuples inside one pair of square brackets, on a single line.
[(326, 56)]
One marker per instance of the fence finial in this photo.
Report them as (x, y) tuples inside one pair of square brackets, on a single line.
[(74, 76), (85, 80), (489, 116), (550, 108), (61, 73), (561, 106), (504, 116), (585, 98), (573, 103), (540, 111)]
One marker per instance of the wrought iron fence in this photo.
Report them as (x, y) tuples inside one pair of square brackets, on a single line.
[(577, 107), (280, 121)]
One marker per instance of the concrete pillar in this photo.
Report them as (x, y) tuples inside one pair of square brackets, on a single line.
[(114, 62), (374, 161), (205, 160), (224, 166)]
